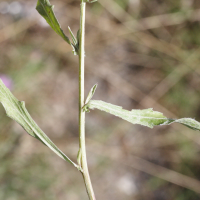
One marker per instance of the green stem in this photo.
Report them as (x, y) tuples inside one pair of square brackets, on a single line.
[(82, 150)]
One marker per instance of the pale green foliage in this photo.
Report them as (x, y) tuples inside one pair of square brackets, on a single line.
[(91, 94), (93, 1), (74, 39), (75, 44), (16, 110), (146, 117), (46, 10)]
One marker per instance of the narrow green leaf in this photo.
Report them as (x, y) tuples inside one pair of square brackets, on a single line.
[(91, 94), (16, 110), (93, 1), (146, 117), (72, 35), (45, 9), (77, 36), (75, 46)]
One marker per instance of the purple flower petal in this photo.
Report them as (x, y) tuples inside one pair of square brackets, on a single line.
[(7, 81)]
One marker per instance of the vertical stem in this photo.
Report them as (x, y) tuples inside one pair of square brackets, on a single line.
[(82, 150)]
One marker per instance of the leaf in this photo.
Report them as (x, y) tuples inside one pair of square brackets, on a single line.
[(75, 46), (16, 110), (74, 40), (91, 94), (45, 9), (146, 117), (77, 36), (93, 1)]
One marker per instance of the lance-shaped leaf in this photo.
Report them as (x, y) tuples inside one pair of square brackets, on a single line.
[(46, 10), (146, 117), (91, 94), (74, 40), (16, 110), (74, 45)]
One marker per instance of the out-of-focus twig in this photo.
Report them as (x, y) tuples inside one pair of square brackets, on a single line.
[(145, 166), (169, 19), (174, 77)]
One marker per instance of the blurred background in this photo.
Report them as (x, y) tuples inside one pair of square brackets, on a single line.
[(142, 54)]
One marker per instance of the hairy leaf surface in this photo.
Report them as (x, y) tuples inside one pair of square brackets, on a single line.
[(146, 117)]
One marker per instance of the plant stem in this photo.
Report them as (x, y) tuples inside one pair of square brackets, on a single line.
[(82, 150)]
